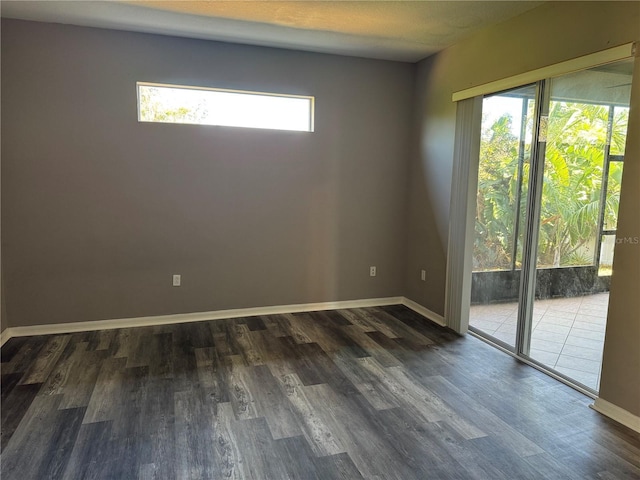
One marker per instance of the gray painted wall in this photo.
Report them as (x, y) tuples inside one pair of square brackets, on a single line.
[(552, 33), (98, 210)]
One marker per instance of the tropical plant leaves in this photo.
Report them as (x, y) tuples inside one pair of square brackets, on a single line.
[(573, 171)]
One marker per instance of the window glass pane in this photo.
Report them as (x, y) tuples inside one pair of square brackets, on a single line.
[(619, 130), (606, 255), (172, 104), (574, 158), (505, 149), (524, 183), (613, 195)]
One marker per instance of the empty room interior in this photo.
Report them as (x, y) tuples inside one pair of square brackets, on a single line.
[(320, 240)]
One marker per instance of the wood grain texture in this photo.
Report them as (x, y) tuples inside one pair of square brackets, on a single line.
[(371, 393)]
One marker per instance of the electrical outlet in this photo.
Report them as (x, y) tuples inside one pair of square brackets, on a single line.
[(423, 275), (372, 271), (177, 280)]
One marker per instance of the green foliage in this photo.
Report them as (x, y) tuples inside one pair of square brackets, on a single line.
[(154, 109), (573, 173), (573, 169), (497, 192)]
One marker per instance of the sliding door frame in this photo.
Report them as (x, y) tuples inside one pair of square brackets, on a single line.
[(464, 189), (465, 161), (527, 291)]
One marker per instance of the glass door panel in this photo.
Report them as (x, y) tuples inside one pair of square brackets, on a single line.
[(503, 177), (577, 212)]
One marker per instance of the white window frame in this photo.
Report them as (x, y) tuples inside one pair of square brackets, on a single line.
[(309, 98)]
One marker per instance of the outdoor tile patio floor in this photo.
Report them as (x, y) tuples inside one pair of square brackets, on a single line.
[(568, 333)]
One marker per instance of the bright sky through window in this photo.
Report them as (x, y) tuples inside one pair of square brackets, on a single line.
[(496, 106), (205, 106)]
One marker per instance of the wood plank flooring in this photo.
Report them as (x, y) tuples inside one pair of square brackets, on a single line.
[(373, 393)]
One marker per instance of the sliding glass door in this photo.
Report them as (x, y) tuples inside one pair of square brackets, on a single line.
[(585, 141), (546, 215), (501, 210)]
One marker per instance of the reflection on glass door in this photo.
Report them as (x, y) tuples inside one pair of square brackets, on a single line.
[(546, 217)]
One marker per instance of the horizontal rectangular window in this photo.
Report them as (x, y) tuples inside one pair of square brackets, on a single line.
[(231, 108)]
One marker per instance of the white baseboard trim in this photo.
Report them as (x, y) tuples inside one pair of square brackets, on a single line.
[(5, 335), (616, 413), (424, 311), (213, 315)]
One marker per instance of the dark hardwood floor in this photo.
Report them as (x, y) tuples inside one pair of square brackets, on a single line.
[(373, 393)]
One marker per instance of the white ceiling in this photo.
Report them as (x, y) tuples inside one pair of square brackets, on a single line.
[(391, 30)]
